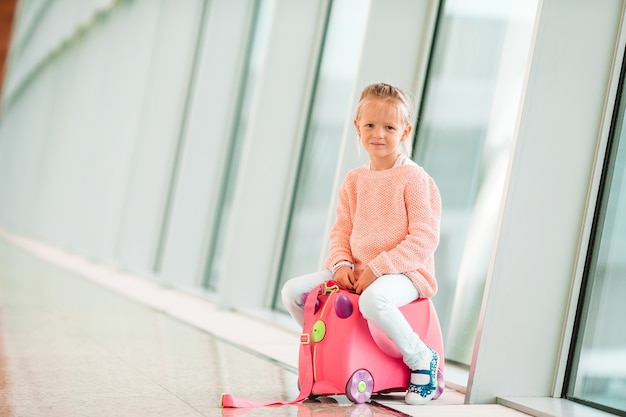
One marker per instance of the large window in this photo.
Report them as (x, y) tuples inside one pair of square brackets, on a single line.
[(307, 226), (464, 135), (599, 362), (229, 178)]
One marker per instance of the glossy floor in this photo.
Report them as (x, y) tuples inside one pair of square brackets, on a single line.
[(79, 339)]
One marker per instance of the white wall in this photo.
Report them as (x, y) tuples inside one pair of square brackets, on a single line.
[(535, 271)]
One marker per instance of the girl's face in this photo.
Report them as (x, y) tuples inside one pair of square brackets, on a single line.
[(381, 127)]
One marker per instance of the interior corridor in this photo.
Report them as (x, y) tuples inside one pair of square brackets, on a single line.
[(81, 339)]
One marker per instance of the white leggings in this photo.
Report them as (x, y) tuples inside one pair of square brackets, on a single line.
[(379, 303)]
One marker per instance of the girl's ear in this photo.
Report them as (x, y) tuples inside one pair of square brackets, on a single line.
[(356, 127), (406, 132)]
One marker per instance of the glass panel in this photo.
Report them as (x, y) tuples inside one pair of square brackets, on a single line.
[(307, 227), (599, 374), (463, 140), (261, 32)]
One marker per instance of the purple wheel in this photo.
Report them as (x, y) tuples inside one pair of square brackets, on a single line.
[(360, 386), (440, 384)]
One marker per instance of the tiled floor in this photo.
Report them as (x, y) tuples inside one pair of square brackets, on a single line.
[(81, 339)]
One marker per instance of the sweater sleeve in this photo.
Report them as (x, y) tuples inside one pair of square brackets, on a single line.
[(423, 205), (339, 245)]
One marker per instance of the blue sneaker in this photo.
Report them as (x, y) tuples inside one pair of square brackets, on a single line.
[(422, 394)]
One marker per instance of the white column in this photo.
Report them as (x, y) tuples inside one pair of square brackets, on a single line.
[(526, 311), (270, 155), (210, 122)]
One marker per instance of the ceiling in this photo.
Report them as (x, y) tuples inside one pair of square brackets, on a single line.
[(7, 11)]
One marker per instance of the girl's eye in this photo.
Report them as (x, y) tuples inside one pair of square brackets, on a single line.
[(390, 128), (369, 125)]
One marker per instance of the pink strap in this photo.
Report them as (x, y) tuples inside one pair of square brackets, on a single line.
[(230, 401)]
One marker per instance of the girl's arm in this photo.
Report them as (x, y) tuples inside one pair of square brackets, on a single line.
[(339, 246)]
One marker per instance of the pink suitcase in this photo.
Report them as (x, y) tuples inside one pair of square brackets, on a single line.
[(341, 353)]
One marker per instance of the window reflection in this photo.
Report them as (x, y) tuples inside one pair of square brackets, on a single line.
[(307, 226), (261, 33), (464, 136), (599, 374)]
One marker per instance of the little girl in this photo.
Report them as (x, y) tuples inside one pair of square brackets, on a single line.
[(383, 241)]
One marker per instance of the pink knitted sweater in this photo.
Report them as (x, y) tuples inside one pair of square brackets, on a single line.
[(390, 221)]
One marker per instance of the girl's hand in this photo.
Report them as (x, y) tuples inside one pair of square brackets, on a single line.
[(364, 281), (345, 277)]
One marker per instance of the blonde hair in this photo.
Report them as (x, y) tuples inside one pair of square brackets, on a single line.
[(391, 93), (387, 92)]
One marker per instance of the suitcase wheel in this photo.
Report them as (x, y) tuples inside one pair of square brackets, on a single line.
[(440, 384), (360, 386)]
